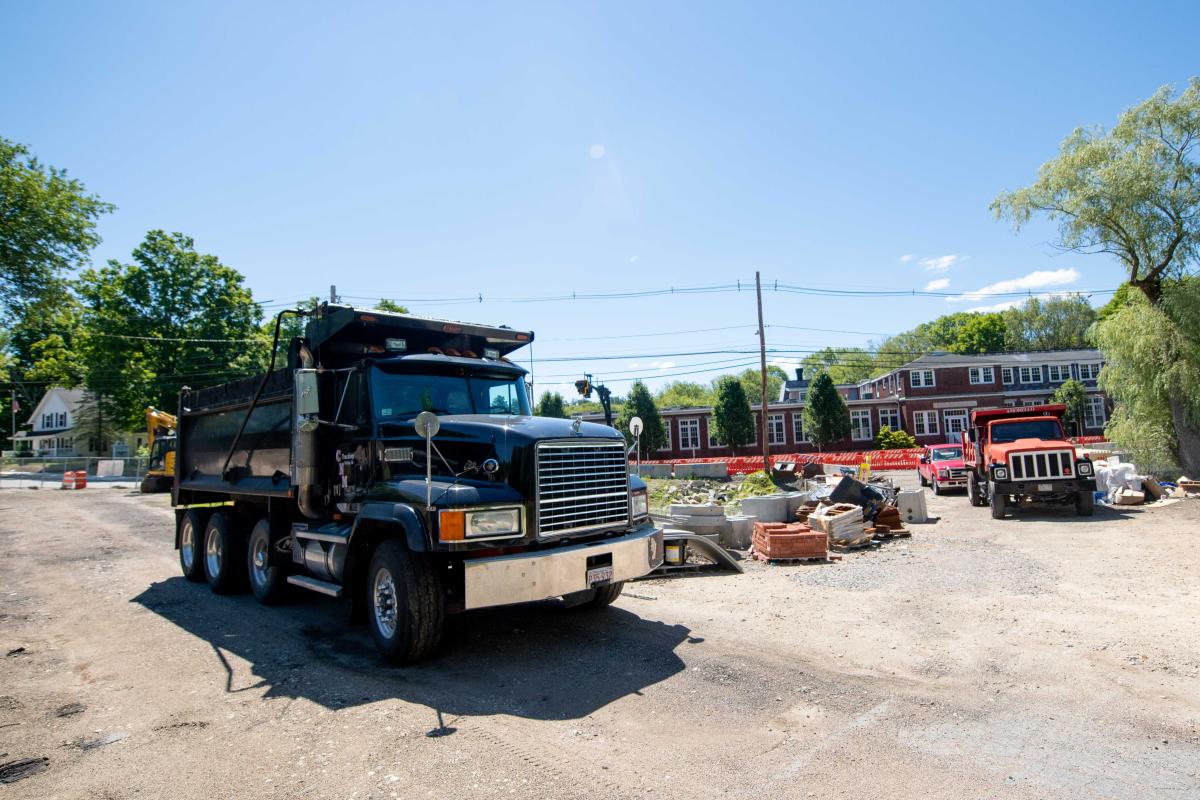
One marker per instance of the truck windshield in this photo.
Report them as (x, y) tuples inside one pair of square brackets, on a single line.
[(946, 453), (1029, 429), (401, 396)]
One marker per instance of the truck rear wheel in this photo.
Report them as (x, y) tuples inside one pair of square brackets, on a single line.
[(222, 548), (1085, 504), (268, 583), (998, 502), (191, 536), (973, 493), (407, 606)]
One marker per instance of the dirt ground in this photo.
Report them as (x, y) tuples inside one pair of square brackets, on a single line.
[(1042, 656)]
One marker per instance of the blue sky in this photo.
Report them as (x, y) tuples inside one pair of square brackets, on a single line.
[(518, 150)]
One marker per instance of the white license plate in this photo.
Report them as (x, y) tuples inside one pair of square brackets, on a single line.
[(1045, 487), (599, 576)]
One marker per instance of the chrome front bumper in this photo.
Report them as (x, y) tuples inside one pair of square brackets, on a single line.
[(526, 577)]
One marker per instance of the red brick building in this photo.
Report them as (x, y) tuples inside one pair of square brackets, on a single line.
[(931, 398)]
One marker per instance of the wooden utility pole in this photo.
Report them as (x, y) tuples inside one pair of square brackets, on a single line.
[(762, 350)]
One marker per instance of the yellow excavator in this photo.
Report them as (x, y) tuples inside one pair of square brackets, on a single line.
[(160, 472)]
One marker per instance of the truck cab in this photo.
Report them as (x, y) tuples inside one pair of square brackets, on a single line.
[(941, 467), (1017, 455), (396, 462)]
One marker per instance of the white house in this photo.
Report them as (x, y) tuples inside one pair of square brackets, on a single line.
[(54, 429), (52, 424)]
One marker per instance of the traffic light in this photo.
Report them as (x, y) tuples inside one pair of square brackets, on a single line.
[(584, 387)]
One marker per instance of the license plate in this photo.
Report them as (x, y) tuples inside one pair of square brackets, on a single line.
[(599, 576), (1045, 487)]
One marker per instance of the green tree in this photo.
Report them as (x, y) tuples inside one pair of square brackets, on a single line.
[(752, 383), (981, 333), (826, 418), (844, 364), (1133, 192), (47, 228), (732, 420), (641, 404), (391, 305), (1074, 395), (171, 317), (1058, 323), (95, 424), (550, 404), (684, 394), (888, 439)]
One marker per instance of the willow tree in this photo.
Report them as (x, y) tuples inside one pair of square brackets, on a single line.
[(1132, 192)]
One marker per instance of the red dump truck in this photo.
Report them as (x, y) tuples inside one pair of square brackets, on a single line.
[(1016, 455)]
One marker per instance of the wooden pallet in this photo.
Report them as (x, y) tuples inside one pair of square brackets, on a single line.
[(892, 535), (828, 558), (843, 548)]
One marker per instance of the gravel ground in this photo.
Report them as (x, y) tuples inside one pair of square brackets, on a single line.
[(1042, 656)]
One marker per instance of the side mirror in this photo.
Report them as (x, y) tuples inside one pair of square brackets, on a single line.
[(924, 459)]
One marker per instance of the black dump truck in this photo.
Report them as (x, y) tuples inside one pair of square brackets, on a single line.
[(394, 462)]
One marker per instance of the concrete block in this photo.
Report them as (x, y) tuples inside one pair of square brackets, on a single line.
[(695, 510), (912, 506), (708, 470), (654, 470), (771, 508), (739, 532)]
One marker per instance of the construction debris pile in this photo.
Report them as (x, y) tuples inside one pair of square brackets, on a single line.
[(1118, 483)]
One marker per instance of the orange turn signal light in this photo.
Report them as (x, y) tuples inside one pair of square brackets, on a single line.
[(452, 526)]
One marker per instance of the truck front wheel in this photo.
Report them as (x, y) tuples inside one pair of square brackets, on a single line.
[(268, 583), (407, 604), (997, 502), (1085, 504), (222, 548), (973, 493), (606, 595)]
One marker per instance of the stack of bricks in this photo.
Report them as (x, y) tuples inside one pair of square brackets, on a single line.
[(779, 540)]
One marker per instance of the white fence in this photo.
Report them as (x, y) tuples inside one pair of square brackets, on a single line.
[(48, 470)]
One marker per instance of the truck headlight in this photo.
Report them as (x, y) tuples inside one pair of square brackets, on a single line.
[(1084, 467), (943, 473), (1000, 473), (493, 522), (640, 505)]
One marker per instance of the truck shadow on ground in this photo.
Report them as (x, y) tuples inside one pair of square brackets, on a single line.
[(540, 661)]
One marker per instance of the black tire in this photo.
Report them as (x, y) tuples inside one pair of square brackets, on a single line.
[(406, 604), (269, 584), (191, 537), (1085, 504), (936, 490), (921, 478), (605, 595), (997, 502), (973, 493), (149, 484), (223, 557)]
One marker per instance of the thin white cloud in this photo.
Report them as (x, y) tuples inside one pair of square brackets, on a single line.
[(1021, 301), (941, 263), (666, 364), (1039, 279), (937, 283), (907, 257), (596, 151)]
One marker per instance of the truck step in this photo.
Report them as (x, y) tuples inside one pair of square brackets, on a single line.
[(315, 585), (337, 533)]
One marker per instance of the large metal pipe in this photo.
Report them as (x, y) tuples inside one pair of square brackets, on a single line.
[(304, 456)]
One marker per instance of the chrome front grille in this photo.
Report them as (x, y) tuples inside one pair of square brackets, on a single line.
[(956, 474), (581, 484), (1042, 465)]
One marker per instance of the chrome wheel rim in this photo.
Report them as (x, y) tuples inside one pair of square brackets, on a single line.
[(213, 554), (187, 546), (385, 602), (258, 560)]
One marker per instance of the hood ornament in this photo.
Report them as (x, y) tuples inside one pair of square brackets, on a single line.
[(575, 426)]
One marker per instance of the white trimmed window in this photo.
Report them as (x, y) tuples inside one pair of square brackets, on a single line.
[(689, 434), (61, 419), (1031, 374), (982, 374), (860, 425), (889, 417), (1094, 414), (925, 423), (956, 421), (712, 440), (1089, 372), (920, 378), (798, 428), (776, 434), (47, 421), (1057, 373), (1006, 375), (667, 430)]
